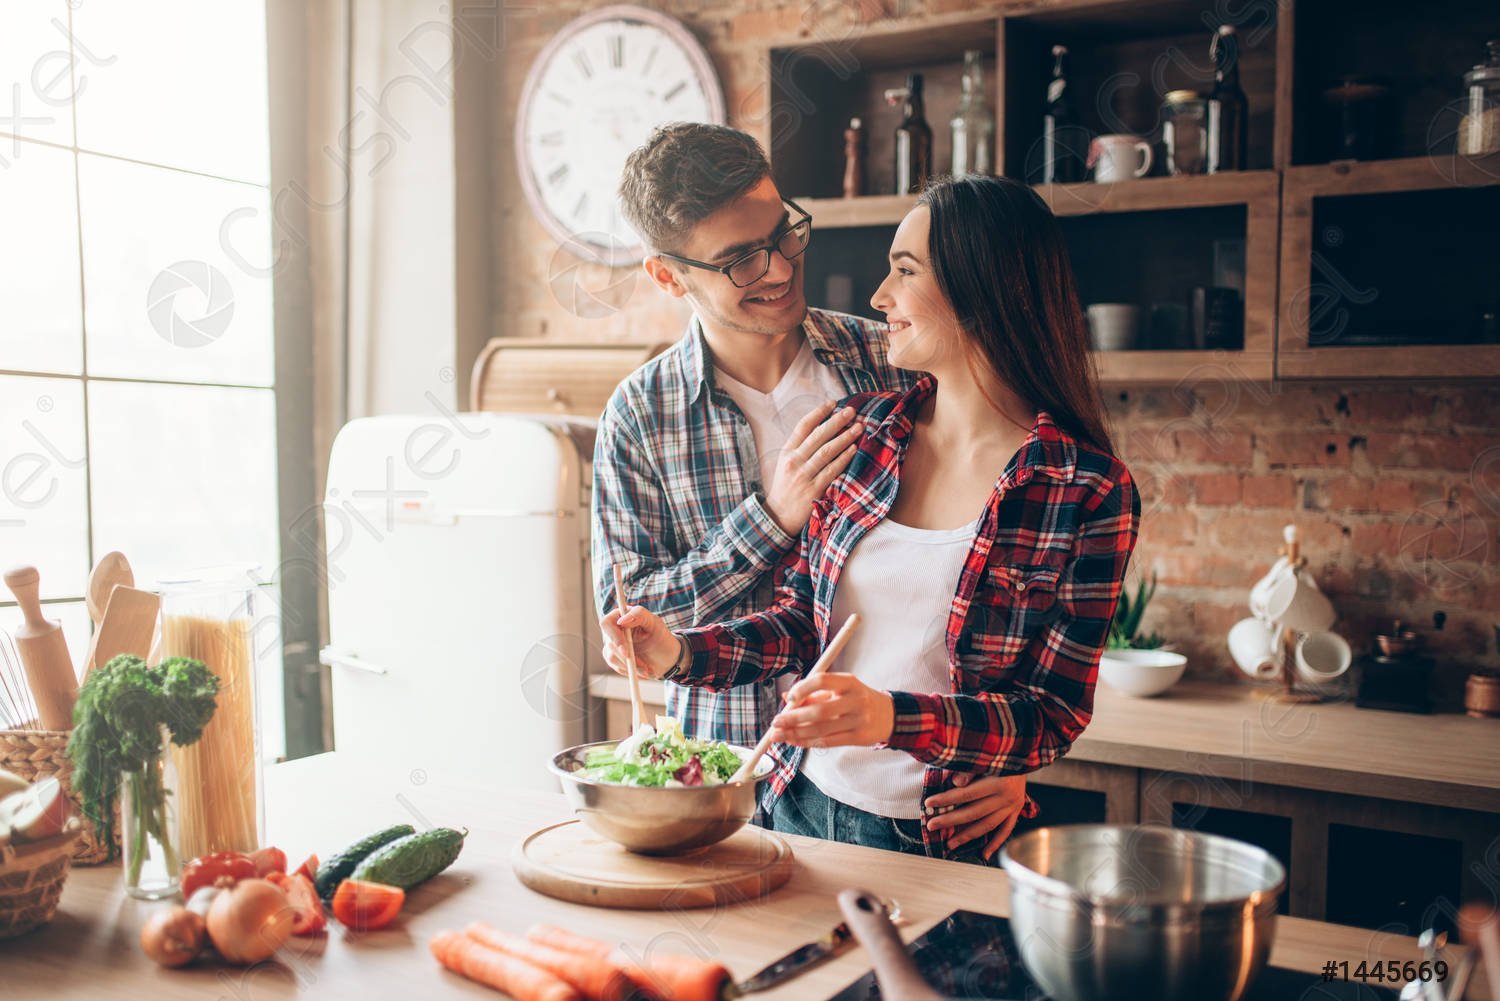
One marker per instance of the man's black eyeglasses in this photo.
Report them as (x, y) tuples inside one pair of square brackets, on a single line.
[(752, 266)]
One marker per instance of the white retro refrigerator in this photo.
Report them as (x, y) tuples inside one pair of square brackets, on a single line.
[(461, 634)]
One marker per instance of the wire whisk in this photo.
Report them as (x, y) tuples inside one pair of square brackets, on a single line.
[(18, 709)]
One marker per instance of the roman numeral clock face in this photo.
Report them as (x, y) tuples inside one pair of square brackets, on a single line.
[(594, 95)]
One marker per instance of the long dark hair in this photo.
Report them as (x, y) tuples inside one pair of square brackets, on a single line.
[(999, 256)]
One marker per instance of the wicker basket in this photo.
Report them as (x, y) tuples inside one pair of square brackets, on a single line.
[(31, 880), (36, 754)]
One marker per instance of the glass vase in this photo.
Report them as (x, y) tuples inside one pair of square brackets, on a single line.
[(222, 802), (150, 836)]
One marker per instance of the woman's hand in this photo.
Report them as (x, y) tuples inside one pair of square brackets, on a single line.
[(656, 646), (977, 806), (834, 710)]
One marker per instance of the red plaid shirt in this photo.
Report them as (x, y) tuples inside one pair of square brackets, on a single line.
[(1026, 626)]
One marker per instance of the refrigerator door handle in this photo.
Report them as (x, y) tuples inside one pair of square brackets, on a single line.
[(334, 657)]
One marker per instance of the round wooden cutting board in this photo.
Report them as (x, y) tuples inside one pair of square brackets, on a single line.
[(570, 862)]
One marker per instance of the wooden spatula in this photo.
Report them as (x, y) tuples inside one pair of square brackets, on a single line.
[(44, 653), (637, 707), (831, 654), (113, 568), (895, 971), (128, 625)]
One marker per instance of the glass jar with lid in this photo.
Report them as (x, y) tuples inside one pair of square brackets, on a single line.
[(1479, 131), (1185, 131)]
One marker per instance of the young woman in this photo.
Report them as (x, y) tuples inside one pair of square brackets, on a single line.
[(982, 532)]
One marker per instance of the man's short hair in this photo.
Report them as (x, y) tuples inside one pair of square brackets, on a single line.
[(684, 173)]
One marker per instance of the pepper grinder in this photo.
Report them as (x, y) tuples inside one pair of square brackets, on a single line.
[(44, 653)]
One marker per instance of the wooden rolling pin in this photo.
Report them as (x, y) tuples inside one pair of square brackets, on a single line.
[(44, 653)]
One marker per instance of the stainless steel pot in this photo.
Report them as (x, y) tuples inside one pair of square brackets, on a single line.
[(1103, 912), (656, 820)]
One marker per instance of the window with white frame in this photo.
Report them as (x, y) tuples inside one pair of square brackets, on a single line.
[(137, 390)]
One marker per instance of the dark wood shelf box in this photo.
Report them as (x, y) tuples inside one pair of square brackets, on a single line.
[(1388, 269), (1419, 50), (1123, 58), (818, 85)]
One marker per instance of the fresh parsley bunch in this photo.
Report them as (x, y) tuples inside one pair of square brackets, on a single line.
[(117, 723)]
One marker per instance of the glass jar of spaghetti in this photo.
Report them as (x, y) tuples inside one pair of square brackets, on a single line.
[(220, 780)]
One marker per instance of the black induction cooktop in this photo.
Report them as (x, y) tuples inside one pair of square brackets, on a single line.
[(972, 957)]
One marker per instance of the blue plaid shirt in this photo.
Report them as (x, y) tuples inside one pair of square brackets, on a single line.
[(678, 503)]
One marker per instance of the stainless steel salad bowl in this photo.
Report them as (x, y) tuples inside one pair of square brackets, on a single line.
[(1102, 912), (657, 820)]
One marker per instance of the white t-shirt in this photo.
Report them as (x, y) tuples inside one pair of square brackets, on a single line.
[(806, 385), (901, 580)]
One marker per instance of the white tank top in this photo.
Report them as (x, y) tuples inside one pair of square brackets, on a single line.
[(901, 581)]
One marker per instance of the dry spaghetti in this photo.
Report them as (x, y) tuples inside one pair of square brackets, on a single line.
[(216, 775)]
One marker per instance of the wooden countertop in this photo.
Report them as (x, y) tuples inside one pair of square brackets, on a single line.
[(319, 803), (1236, 732)]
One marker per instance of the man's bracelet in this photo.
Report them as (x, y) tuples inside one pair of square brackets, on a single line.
[(682, 658)]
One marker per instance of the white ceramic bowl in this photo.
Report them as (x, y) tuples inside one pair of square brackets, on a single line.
[(1141, 673)]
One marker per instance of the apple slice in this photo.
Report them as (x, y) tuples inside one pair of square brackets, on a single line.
[(39, 812), (11, 782)]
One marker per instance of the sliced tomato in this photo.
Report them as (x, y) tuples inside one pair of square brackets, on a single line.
[(309, 868), (310, 916), (268, 860), (365, 906), (217, 869)]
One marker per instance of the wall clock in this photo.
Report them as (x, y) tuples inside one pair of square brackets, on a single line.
[(593, 95)]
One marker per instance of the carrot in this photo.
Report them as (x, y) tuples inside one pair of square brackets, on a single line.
[(483, 965), (677, 978), (566, 941), (594, 976)]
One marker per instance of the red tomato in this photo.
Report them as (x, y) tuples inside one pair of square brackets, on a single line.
[(268, 860), (210, 869), (311, 918), (366, 906), (309, 868)]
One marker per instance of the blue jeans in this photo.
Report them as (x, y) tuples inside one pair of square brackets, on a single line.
[(805, 809)]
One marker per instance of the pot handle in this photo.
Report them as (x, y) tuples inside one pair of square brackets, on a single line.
[(895, 971)]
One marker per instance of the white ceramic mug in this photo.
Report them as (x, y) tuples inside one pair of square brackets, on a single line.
[(1293, 601), (1252, 644), (1322, 656), (1113, 326), (1119, 158)]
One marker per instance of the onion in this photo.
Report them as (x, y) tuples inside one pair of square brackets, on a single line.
[(173, 937), (250, 921)]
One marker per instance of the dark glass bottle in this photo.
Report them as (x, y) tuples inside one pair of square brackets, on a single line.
[(1061, 164), (1229, 110), (913, 141)]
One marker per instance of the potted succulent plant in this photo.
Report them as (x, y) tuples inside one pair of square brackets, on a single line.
[(1136, 664)]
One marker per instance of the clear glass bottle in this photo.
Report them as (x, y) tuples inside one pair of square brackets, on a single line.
[(1479, 131), (150, 832), (1229, 108), (913, 141), (973, 125)]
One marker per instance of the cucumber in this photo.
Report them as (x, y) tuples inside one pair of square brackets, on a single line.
[(338, 867), (413, 859)]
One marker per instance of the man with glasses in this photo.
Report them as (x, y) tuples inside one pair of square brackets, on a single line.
[(710, 456)]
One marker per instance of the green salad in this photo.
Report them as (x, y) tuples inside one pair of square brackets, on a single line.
[(662, 756)]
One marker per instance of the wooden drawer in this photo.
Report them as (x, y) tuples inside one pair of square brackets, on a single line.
[(515, 375)]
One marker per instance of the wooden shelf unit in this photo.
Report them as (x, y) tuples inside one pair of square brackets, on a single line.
[(1140, 48)]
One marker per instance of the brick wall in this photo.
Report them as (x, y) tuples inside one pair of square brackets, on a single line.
[(1396, 491)]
